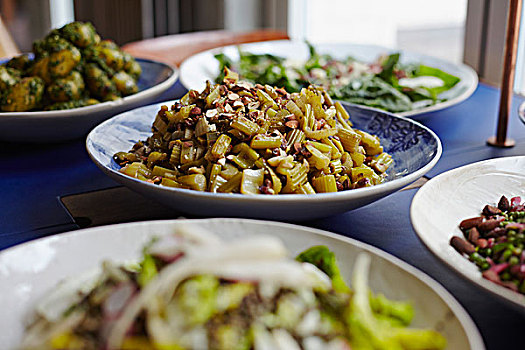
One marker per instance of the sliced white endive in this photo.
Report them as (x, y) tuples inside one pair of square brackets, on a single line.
[(261, 259)]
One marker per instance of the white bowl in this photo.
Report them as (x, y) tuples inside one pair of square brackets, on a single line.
[(55, 126), (414, 148), (195, 70), (30, 270), (443, 202)]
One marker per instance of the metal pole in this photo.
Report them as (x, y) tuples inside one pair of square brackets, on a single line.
[(507, 80)]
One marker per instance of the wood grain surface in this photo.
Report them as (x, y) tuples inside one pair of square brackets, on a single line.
[(173, 49)]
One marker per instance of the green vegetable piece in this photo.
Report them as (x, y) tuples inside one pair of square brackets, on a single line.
[(251, 181), (370, 332), (195, 181), (230, 337), (220, 147), (387, 74), (245, 125), (197, 298), (261, 141), (370, 143), (398, 311), (230, 296), (324, 259), (148, 270), (232, 185), (317, 159)]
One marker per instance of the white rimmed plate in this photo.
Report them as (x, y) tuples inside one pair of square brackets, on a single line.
[(56, 126), (444, 201), (203, 66), (30, 270), (414, 148)]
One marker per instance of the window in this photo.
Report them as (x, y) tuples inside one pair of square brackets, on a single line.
[(434, 28)]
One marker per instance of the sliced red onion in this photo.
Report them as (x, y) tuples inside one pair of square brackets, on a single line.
[(491, 276), (118, 299), (499, 267), (515, 201)]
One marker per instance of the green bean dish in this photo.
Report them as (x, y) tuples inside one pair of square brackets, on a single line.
[(236, 137)]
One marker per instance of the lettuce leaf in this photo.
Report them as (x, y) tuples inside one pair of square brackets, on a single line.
[(324, 260), (369, 332)]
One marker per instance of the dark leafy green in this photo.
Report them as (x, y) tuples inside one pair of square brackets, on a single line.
[(377, 86)]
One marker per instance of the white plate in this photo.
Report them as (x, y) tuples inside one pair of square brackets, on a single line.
[(30, 270), (443, 202), (56, 126), (414, 148), (203, 66)]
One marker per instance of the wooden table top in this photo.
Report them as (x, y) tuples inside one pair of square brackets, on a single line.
[(173, 49)]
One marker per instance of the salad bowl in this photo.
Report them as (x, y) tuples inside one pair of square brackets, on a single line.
[(203, 66), (31, 270)]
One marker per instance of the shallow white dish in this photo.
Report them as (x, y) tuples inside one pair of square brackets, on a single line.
[(30, 270), (203, 66), (443, 202), (56, 126), (414, 148)]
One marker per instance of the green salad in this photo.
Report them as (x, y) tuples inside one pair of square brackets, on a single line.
[(191, 290), (386, 84)]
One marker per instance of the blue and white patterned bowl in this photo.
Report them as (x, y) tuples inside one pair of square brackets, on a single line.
[(55, 126), (415, 149)]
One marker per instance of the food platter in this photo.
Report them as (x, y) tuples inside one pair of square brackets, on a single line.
[(61, 125), (32, 269), (414, 148), (443, 202), (203, 66)]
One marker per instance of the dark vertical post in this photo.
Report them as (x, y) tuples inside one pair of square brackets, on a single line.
[(507, 81)]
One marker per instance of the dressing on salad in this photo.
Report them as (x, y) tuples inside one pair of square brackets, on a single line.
[(192, 290)]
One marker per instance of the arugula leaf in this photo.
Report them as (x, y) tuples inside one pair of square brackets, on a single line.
[(380, 90), (388, 65), (224, 61), (373, 91)]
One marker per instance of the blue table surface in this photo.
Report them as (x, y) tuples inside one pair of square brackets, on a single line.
[(33, 177)]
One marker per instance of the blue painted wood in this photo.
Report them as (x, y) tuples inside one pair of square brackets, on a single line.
[(33, 176)]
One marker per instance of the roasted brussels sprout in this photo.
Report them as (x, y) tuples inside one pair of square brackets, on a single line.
[(24, 96)]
